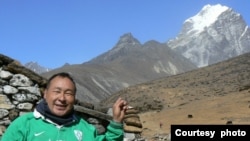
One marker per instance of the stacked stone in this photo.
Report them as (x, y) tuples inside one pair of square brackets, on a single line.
[(18, 94), (20, 90), (132, 123)]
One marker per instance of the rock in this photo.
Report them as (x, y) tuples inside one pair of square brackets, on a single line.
[(133, 122), (13, 114), (2, 130), (131, 115), (131, 111), (132, 129)]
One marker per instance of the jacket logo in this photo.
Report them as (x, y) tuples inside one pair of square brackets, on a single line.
[(38, 134), (78, 134)]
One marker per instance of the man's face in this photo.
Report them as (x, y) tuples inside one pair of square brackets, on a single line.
[(60, 96)]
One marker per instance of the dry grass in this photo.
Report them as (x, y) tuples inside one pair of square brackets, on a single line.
[(209, 110)]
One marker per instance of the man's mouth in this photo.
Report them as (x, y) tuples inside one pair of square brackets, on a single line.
[(60, 107)]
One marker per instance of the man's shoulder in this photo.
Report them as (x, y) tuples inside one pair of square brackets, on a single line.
[(21, 120), (27, 115)]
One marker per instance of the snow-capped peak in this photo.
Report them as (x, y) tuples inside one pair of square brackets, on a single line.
[(207, 16)]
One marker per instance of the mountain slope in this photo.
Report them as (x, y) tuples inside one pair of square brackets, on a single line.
[(215, 80), (128, 63)]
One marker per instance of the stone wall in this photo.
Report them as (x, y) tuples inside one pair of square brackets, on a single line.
[(20, 90)]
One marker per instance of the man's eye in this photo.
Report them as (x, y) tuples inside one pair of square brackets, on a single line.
[(56, 91), (69, 93)]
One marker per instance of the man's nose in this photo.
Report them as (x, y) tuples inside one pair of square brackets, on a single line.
[(62, 97)]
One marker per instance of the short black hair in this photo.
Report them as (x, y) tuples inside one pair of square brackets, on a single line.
[(63, 75)]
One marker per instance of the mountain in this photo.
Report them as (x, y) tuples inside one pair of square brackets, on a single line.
[(154, 58), (215, 34), (34, 66), (130, 63)]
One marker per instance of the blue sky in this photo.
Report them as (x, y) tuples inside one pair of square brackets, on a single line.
[(55, 32)]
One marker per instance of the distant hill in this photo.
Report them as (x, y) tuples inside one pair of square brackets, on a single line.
[(34, 66)]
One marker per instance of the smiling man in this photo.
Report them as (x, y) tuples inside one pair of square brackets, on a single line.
[(54, 120)]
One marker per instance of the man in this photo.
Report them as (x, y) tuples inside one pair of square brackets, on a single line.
[(54, 120)]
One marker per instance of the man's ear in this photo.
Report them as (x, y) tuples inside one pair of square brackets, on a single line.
[(44, 93)]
